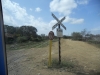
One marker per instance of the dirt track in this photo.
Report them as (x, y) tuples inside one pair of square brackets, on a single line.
[(31, 61)]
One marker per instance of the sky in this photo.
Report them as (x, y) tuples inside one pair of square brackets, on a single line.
[(80, 14)]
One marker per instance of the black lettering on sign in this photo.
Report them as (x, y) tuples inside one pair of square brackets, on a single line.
[(59, 30)]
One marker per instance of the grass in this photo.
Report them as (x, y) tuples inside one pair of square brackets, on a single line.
[(27, 45), (55, 40), (63, 64), (69, 66), (94, 43), (97, 45)]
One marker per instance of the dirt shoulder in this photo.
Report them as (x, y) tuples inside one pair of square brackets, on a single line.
[(34, 61)]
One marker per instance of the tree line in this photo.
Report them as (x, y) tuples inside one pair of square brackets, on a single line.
[(21, 34), (29, 33), (84, 35)]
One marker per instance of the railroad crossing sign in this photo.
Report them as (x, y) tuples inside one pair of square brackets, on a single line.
[(59, 32), (59, 22), (51, 35)]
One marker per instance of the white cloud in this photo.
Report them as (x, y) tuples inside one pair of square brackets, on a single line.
[(65, 7), (17, 16), (31, 9), (82, 1), (70, 20), (96, 30), (9, 19), (62, 6), (13, 9), (76, 21), (38, 9)]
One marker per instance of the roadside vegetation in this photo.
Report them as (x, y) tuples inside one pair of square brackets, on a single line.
[(85, 36), (94, 43), (27, 37), (28, 45), (66, 65)]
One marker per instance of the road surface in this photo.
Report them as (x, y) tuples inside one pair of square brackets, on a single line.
[(33, 61)]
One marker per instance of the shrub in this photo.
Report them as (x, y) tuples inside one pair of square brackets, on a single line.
[(9, 40), (67, 37), (37, 40), (76, 36), (22, 39)]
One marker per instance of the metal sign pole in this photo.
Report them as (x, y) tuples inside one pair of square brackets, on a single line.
[(59, 47), (50, 53), (51, 36)]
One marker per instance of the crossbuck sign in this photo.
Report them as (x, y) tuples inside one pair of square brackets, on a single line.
[(59, 32), (58, 22)]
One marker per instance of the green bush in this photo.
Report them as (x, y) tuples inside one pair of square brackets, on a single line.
[(9, 40), (76, 36), (22, 39), (94, 42), (67, 37), (37, 39)]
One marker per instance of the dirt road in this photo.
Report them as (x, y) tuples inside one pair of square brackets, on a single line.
[(34, 61)]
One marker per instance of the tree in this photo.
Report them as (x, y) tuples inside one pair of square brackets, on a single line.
[(9, 34), (10, 29), (85, 34), (66, 37), (28, 31), (43, 36), (22, 34), (76, 36)]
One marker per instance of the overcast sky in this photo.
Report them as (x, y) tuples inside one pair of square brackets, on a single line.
[(80, 14)]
